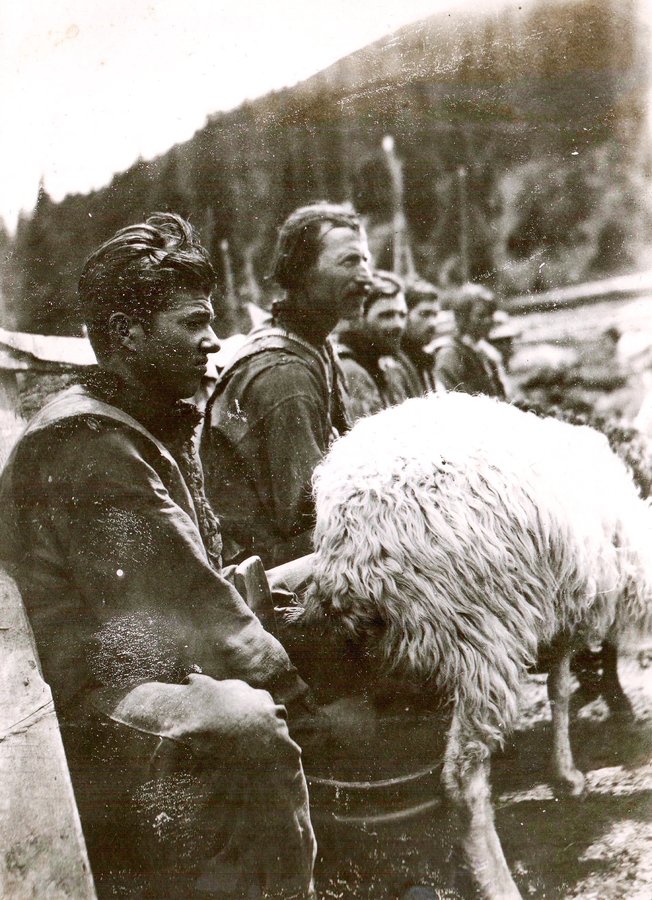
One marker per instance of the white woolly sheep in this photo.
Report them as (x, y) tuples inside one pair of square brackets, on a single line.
[(455, 536)]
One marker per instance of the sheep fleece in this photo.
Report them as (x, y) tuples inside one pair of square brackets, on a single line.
[(456, 534)]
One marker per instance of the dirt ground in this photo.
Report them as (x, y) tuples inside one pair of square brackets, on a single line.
[(595, 848)]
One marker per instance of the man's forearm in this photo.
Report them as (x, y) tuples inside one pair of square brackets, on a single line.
[(291, 576)]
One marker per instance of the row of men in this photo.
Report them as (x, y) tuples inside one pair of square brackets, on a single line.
[(175, 704), (343, 342), (394, 351)]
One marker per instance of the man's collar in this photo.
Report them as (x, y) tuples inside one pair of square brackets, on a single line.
[(417, 353), (358, 340), (301, 326), (167, 421)]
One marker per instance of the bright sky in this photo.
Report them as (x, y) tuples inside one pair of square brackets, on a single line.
[(87, 86)]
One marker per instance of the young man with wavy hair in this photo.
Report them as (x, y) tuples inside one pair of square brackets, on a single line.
[(168, 690)]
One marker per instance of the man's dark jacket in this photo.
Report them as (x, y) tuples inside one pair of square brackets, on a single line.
[(275, 411), (460, 367), (99, 528), (375, 379), (420, 367)]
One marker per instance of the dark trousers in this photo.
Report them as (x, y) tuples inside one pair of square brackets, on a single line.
[(220, 810)]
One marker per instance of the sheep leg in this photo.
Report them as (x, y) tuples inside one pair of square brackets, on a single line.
[(597, 673), (565, 774), (610, 686), (466, 783)]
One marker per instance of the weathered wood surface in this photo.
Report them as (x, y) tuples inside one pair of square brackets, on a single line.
[(571, 325), (42, 850), (616, 288)]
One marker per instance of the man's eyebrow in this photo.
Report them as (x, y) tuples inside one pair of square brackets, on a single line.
[(200, 312), (350, 251)]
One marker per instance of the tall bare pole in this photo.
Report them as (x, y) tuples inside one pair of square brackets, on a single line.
[(402, 259), (464, 224), (231, 299), (229, 280)]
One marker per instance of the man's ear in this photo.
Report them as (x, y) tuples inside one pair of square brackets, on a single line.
[(125, 331)]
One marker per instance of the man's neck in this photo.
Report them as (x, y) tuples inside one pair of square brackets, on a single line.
[(136, 390), (303, 324), (362, 344), (416, 353), (164, 417)]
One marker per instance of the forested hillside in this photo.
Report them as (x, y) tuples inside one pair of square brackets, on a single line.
[(543, 105)]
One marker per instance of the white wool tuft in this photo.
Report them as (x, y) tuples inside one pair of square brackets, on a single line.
[(457, 534)]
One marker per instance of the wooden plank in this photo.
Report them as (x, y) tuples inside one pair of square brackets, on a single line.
[(617, 287), (72, 351), (42, 849)]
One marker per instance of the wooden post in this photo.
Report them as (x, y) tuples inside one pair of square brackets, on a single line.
[(42, 849), (8, 391)]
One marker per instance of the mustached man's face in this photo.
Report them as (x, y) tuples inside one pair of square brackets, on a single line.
[(421, 325), (337, 283), (385, 321), (170, 352)]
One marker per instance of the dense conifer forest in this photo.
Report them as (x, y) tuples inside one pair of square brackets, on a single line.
[(523, 130)]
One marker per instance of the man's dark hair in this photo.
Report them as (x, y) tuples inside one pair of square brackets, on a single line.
[(383, 284), (470, 296), (299, 241), (417, 290), (136, 270)]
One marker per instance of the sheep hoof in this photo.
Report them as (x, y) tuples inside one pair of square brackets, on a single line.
[(570, 784)]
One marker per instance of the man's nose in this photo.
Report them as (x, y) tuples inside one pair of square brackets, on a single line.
[(364, 271), (210, 342)]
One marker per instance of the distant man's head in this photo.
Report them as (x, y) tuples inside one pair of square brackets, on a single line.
[(145, 298), (474, 309), (423, 306), (504, 332), (321, 262), (385, 312)]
